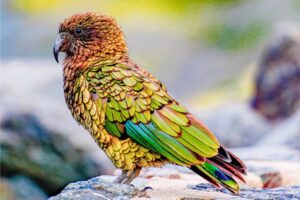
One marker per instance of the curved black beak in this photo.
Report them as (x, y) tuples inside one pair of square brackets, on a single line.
[(56, 47)]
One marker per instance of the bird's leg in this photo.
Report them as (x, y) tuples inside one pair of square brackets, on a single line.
[(121, 178), (131, 175)]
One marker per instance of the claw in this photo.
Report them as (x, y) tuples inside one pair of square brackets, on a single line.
[(146, 188)]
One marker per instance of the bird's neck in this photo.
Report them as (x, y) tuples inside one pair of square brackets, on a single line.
[(76, 65)]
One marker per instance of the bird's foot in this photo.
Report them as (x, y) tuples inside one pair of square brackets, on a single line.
[(143, 192), (113, 190), (127, 176)]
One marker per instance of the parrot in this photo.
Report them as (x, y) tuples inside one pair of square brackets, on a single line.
[(129, 112)]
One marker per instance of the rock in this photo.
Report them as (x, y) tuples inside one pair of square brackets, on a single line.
[(21, 187), (269, 177), (173, 182), (237, 125), (98, 189), (29, 148), (275, 173), (6, 190), (277, 82), (284, 193), (285, 133), (268, 152)]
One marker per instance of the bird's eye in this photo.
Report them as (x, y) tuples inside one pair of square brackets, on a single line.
[(78, 31)]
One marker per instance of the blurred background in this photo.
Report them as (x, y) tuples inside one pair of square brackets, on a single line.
[(233, 63)]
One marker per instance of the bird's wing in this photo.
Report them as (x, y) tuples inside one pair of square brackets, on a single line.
[(138, 106)]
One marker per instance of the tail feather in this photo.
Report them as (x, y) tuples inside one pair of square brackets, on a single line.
[(229, 158), (216, 176), (227, 168), (221, 170), (229, 163)]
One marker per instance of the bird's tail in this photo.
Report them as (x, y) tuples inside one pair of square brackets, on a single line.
[(216, 176), (221, 169)]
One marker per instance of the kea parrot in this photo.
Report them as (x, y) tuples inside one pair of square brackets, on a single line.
[(129, 112)]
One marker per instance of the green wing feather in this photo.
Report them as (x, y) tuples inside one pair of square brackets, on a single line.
[(151, 117)]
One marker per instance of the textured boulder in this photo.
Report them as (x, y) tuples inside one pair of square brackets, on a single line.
[(172, 182), (30, 149), (167, 188), (98, 188)]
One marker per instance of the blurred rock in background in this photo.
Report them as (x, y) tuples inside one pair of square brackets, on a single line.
[(39, 160), (20, 187), (273, 116), (277, 82), (238, 125)]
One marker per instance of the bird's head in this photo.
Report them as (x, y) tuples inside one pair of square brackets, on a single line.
[(87, 35)]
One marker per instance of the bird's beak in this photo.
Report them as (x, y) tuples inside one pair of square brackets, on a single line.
[(56, 47)]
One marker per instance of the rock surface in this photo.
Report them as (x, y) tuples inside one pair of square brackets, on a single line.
[(282, 193), (98, 188), (47, 158), (171, 182)]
